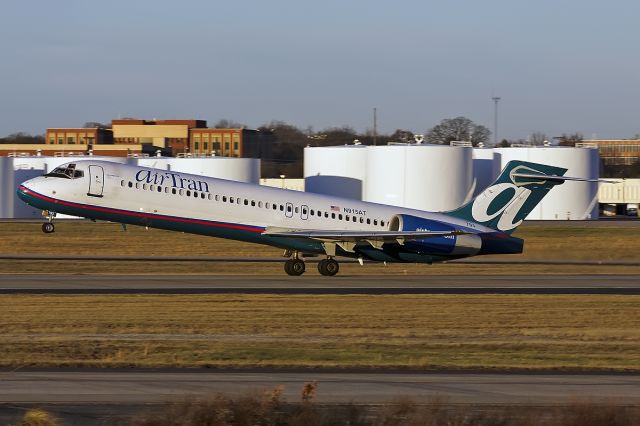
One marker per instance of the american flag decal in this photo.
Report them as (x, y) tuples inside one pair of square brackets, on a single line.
[(335, 208)]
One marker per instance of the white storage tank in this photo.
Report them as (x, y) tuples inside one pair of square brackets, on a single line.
[(336, 170), (571, 200), (485, 169), (22, 210), (7, 188), (153, 162), (238, 169), (425, 177)]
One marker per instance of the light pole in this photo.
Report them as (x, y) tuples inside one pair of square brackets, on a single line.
[(495, 99)]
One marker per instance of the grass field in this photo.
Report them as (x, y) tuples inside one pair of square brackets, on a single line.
[(582, 242), (424, 332)]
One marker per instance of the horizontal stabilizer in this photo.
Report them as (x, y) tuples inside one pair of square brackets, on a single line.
[(560, 178)]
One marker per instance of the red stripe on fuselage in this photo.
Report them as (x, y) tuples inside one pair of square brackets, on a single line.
[(136, 214)]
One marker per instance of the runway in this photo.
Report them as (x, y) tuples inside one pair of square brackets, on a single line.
[(343, 284), (144, 387)]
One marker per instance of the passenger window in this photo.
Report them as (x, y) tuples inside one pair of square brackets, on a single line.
[(253, 203), (340, 216), (297, 209), (382, 223), (375, 221), (259, 203), (238, 200), (231, 200), (152, 187), (333, 215), (173, 191), (144, 186), (159, 189), (267, 205), (224, 198), (368, 221), (355, 219), (281, 207), (326, 214), (361, 220), (166, 189), (312, 212), (121, 183), (188, 193), (202, 195), (210, 197), (346, 218), (130, 184), (181, 191), (217, 197), (137, 185), (195, 194)]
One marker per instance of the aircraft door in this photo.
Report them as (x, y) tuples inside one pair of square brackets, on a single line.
[(304, 214), (288, 211), (96, 181)]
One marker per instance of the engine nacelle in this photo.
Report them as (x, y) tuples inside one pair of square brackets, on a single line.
[(450, 245)]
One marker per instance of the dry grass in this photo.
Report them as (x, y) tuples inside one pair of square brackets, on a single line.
[(431, 331), (265, 410), (107, 239)]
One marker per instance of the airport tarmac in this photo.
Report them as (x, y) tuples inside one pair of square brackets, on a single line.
[(313, 284), (144, 387)]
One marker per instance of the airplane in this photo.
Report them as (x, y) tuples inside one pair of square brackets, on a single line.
[(298, 222)]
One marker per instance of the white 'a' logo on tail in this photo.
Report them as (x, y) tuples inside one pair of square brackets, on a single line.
[(510, 207)]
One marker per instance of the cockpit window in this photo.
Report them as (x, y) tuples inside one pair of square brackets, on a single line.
[(68, 172)]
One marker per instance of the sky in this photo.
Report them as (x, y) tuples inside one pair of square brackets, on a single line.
[(558, 66)]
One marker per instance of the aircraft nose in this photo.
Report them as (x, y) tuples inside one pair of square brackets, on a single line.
[(26, 187)]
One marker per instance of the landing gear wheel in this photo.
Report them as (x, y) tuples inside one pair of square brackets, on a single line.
[(328, 267), (294, 267), (48, 227)]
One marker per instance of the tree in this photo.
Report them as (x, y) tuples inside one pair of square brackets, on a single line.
[(571, 139), (22, 138), (228, 124), (401, 136), (334, 136), (538, 138), (96, 125), (504, 144), (458, 129)]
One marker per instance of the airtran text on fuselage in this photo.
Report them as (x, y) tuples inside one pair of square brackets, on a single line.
[(171, 179)]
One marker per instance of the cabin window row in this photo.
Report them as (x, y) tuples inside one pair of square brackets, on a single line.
[(253, 203)]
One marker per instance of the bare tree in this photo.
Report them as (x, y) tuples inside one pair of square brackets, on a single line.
[(538, 138), (458, 129), (96, 125), (402, 136), (228, 124), (571, 139)]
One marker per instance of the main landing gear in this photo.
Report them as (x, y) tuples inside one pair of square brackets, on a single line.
[(48, 227), (328, 267), (296, 266)]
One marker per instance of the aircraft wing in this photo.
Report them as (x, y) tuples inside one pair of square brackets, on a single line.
[(348, 239)]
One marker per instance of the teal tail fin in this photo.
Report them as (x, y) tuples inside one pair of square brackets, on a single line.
[(506, 202)]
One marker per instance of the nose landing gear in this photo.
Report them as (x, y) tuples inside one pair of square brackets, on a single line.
[(48, 227)]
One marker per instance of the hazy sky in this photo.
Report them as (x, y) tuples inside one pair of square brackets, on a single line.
[(559, 66)]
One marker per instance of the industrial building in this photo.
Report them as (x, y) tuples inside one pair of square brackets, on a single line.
[(134, 137)]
